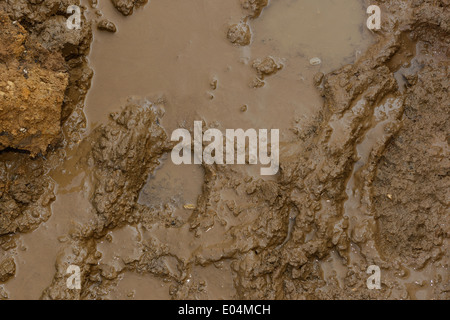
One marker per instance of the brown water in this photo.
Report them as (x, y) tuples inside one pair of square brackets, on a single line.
[(170, 52), (173, 50)]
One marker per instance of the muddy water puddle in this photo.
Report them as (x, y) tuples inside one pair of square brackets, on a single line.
[(37, 251), (176, 54), (190, 65), (173, 185), (301, 30)]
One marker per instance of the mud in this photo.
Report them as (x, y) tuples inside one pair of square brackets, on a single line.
[(106, 25), (126, 7), (7, 269), (364, 167), (32, 88)]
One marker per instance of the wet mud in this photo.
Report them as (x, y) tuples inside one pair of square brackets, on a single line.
[(87, 179)]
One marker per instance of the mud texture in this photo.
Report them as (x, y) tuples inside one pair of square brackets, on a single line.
[(7, 269), (32, 89), (126, 7), (364, 183), (45, 78), (253, 8)]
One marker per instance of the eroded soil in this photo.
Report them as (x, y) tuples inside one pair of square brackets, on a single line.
[(86, 175)]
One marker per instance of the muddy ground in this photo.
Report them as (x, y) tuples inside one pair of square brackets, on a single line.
[(364, 171)]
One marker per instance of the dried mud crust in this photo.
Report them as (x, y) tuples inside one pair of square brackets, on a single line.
[(240, 34), (43, 82), (45, 23), (293, 238), (126, 7), (32, 85), (7, 269), (279, 236)]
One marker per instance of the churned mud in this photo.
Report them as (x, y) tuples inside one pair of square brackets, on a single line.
[(87, 179)]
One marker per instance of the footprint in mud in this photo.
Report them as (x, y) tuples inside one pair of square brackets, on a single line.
[(173, 185)]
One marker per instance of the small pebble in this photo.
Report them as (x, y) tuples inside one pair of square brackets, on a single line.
[(213, 84), (315, 61), (107, 25)]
